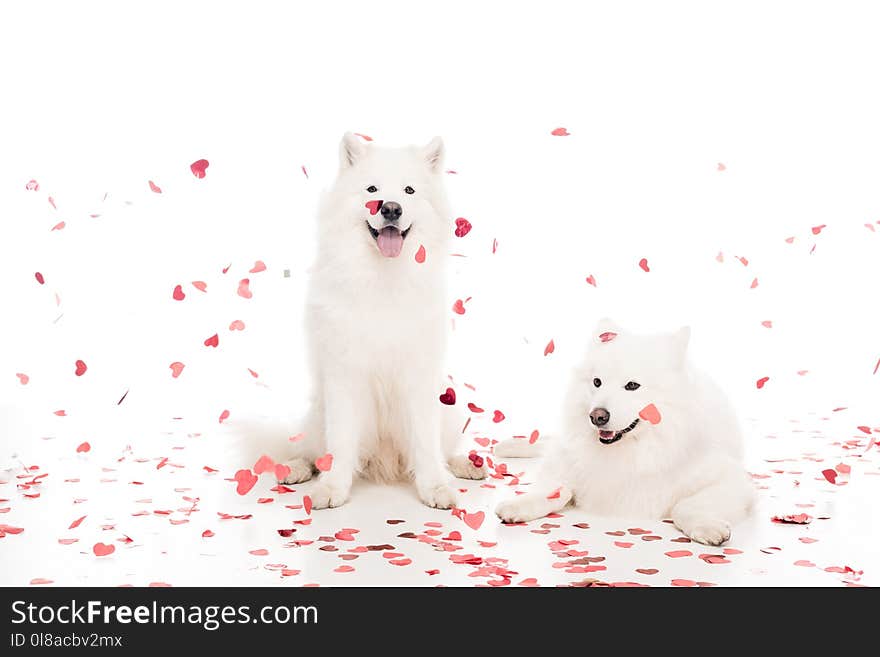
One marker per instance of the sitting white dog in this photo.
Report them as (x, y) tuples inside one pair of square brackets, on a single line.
[(376, 322), (645, 435)]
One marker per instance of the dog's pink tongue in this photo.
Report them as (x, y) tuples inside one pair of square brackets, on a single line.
[(605, 433), (390, 242)]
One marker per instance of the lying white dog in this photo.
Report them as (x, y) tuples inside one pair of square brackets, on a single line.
[(376, 321), (645, 435)]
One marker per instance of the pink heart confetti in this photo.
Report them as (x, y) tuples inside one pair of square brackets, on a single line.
[(282, 471), (39, 278), (458, 307), (550, 348), (754, 284), (591, 280), (373, 206), (760, 382), (198, 168), (82, 448), (200, 285), (80, 368), (643, 263), (213, 341), (102, 550), (246, 480), (767, 323), (307, 505), (560, 132), (608, 336), (176, 369), (650, 414), (23, 378), (324, 463), (264, 464), (497, 417), (154, 187), (533, 438), (224, 416), (818, 229), (32, 185), (259, 266), (244, 288), (420, 254), (178, 294), (474, 520), (76, 523), (236, 325)]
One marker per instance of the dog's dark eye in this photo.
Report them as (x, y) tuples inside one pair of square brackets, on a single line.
[(409, 190), (597, 382), (372, 189), (632, 385)]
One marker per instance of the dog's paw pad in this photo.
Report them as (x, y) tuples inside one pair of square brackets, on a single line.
[(714, 532), (442, 496), (463, 468), (326, 495), (300, 471)]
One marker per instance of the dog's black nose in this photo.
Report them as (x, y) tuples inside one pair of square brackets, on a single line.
[(391, 211), (599, 417)]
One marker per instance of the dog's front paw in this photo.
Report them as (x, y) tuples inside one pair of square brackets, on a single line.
[(708, 531), (300, 471), (438, 495), (463, 468), (520, 509), (328, 493)]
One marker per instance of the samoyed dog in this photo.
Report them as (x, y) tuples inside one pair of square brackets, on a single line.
[(645, 434), (376, 322)]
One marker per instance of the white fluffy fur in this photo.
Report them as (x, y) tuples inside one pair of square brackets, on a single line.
[(376, 328), (688, 467)]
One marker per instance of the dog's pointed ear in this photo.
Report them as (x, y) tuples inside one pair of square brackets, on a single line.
[(681, 339), (350, 150), (434, 153)]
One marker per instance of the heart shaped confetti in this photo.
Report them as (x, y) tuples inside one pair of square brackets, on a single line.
[(650, 414), (32, 186), (474, 520), (259, 266), (200, 285), (497, 417), (264, 464), (40, 278), (462, 227), (373, 206), (82, 448), (643, 263), (760, 382), (103, 550), (591, 280), (608, 336), (236, 325), (550, 348), (176, 369), (244, 288), (458, 307), (80, 368), (155, 188), (533, 437), (307, 505), (818, 229), (178, 294), (560, 132), (324, 463), (246, 480), (282, 471), (23, 378), (420, 254), (224, 416), (448, 397), (198, 168), (213, 341)]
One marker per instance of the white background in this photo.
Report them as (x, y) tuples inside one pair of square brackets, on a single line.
[(98, 98)]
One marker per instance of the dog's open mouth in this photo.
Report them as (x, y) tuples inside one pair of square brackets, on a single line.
[(389, 239), (607, 437)]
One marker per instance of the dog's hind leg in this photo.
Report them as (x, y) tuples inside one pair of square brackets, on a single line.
[(706, 516), (463, 468)]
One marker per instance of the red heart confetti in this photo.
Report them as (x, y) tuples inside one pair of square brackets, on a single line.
[(608, 336), (263, 464), (462, 227), (830, 475), (76, 523), (373, 206), (246, 480), (643, 263), (155, 188), (82, 448), (473, 408), (102, 550), (307, 505), (213, 341), (676, 554), (560, 132), (198, 168), (458, 307), (244, 288), (324, 463), (760, 382), (818, 229), (178, 294), (591, 280), (550, 348), (420, 254), (448, 397), (224, 416), (497, 417), (39, 278), (282, 471), (650, 414), (533, 438), (176, 369), (80, 368)]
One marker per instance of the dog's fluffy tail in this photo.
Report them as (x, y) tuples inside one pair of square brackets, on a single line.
[(252, 438), (518, 448)]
